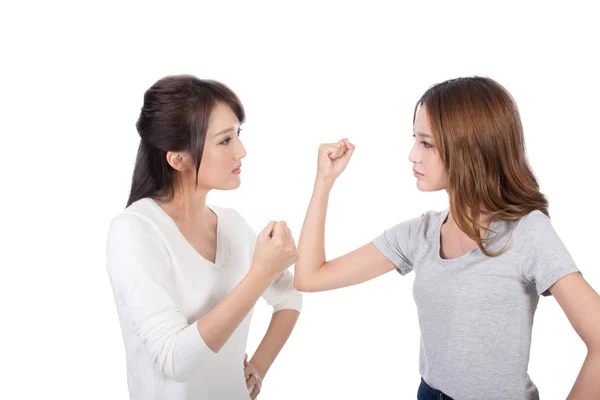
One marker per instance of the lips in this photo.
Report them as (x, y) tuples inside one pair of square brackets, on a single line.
[(417, 172)]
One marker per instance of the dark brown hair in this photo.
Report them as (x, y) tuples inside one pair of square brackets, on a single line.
[(174, 117), (478, 132)]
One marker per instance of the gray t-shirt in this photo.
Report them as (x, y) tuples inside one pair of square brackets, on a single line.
[(476, 312)]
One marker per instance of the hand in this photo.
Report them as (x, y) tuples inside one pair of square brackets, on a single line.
[(253, 378), (275, 249), (333, 159)]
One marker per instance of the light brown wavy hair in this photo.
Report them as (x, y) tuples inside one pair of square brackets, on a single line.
[(478, 132)]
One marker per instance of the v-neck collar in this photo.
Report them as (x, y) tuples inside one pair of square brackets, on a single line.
[(192, 248)]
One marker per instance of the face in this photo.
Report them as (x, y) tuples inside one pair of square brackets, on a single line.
[(428, 167), (222, 154)]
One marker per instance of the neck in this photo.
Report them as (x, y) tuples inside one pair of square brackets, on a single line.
[(188, 203), (483, 220)]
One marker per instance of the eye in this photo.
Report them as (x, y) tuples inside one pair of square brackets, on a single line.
[(426, 144), (227, 140)]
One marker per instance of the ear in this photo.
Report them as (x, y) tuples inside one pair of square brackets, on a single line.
[(178, 160)]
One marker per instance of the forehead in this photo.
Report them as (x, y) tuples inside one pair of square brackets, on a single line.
[(422, 120), (221, 117)]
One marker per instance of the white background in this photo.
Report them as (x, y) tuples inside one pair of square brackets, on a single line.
[(73, 79)]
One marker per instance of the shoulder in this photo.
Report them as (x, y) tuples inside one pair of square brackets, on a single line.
[(424, 225), (139, 219), (433, 217), (532, 225), (426, 220)]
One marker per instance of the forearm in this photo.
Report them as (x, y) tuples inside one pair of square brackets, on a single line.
[(280, 329), (587, 384), (311, 244), (218, 325)]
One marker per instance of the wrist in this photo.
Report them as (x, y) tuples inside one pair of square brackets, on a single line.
[(259, 272), (324, 183), (259, 367)]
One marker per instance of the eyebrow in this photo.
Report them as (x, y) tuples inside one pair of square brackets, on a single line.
[(224, 131), (422, 134)]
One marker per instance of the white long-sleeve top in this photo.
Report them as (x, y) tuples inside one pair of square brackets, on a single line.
[(162, 286)]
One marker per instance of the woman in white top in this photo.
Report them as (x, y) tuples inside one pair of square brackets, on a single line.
[(185, 275), (480, 265)]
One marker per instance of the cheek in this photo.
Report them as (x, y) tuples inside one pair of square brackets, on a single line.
[(438, 164), (215, 165), (208, 165), (214, 157)]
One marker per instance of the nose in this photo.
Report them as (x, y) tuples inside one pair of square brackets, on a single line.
[(414, 156), (240, 151)]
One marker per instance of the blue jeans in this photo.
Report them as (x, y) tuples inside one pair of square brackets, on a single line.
[(426, 392)]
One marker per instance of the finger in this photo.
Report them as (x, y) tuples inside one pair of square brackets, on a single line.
[(280, 228), (255, 392), (245, 359), (248, 370), (336, 150), (333, 150), (251, 381), (349, 145), (268, 231), (349, 152)]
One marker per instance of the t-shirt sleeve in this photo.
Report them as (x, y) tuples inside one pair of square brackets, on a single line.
[(543, 258), (396, 244)]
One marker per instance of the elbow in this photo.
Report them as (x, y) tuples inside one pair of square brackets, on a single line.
[(297, 284), (300, 285), (303, 286), (593, 345), (171, 370), (178, 356), (180, 368), (305, 278)]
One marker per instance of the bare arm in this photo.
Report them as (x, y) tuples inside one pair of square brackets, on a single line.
[(280, 329), (581, 305), (218, 325), (287, 303), (312, 271)]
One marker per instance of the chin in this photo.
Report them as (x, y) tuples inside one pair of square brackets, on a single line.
[(232, 185), (423, 187)]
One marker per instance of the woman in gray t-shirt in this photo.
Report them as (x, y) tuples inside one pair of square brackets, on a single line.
[(479, 265)]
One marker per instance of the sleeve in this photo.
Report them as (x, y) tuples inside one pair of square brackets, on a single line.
[(396, 244), (139, 271), (281, 294), (543, 258)]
